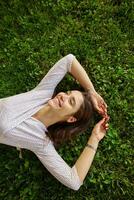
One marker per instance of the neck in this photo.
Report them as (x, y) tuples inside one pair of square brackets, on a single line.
[(47, 116)]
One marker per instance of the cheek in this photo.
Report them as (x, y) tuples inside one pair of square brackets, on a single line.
[(67, 108), (76, 108)]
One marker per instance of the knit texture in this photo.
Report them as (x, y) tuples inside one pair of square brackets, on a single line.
[(19, 129)]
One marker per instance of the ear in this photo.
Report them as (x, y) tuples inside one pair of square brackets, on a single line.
[(71, 119)]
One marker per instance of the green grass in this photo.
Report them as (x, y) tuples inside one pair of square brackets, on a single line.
[(34, 35)]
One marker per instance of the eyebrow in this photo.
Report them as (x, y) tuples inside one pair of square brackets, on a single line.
[(73, 97)]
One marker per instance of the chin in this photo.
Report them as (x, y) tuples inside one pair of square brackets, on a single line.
[(52, 104)]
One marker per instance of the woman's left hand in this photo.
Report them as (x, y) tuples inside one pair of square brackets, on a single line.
[(99, 103), (100, 129)]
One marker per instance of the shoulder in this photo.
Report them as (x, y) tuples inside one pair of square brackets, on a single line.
[(46, 148)]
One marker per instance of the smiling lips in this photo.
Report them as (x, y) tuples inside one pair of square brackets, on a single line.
[(57, 100)]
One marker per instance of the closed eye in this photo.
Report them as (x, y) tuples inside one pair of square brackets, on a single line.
[(72, 100)]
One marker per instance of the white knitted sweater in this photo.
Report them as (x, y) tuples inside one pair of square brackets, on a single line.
[(19, 129)]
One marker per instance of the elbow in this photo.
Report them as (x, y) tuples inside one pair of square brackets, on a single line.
[(74, 184), (77, 182), (76, 188)]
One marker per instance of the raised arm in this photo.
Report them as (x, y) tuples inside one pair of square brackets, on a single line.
[(55, 74), (81, 76), (85, 160), (58, 167), (72, 177)]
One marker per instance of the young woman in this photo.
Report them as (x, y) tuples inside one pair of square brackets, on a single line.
[(37, 121)]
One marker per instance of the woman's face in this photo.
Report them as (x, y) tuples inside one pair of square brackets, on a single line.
[(66, 104)]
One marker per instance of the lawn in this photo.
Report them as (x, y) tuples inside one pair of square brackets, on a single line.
[(36, 34)]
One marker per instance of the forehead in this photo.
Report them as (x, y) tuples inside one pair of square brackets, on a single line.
[(76, 92), (78, 95)]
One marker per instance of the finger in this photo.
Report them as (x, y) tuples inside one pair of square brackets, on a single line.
[(100, 110), (104, 103), (105, 121), (105, 110), (102, 114), (102, 121), (106, 125), (107, 118), (104, 107)]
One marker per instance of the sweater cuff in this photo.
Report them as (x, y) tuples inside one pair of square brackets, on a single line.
[(78, 178)]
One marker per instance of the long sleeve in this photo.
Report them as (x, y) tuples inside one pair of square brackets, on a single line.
[(15, 109), (56, 74), (58, 167)]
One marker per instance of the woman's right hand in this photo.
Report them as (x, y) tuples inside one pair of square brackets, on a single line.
[(99, 131)]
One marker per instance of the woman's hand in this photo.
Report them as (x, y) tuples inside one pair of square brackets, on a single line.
[(100, 128), (98, 103)]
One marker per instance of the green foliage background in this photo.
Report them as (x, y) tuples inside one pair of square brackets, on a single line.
[(36, 34)]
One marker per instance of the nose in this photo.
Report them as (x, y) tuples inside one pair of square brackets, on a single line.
[(63, 97)]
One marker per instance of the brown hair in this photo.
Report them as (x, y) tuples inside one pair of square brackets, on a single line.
[(65, 131)]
